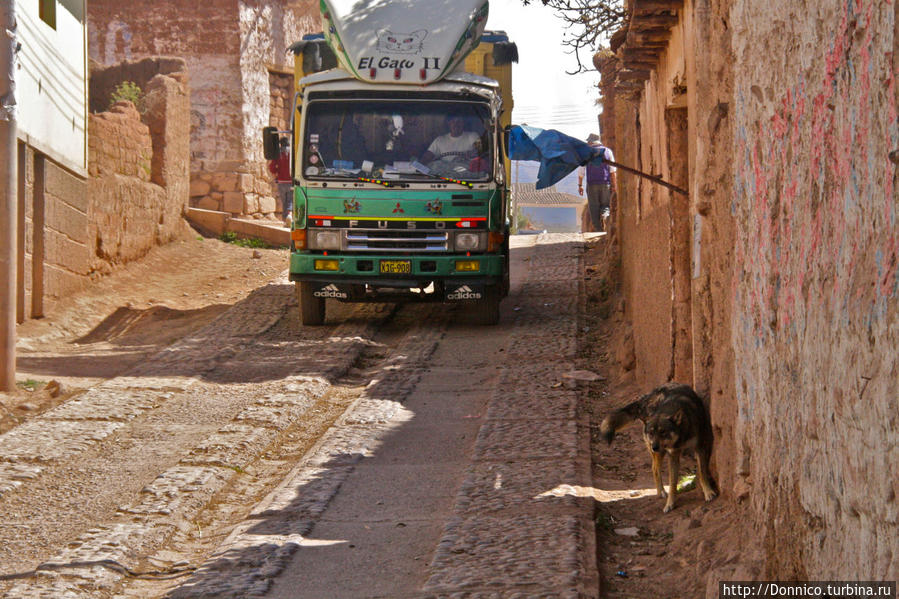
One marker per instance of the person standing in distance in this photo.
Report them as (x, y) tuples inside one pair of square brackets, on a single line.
[(280, 168), (600, 185)]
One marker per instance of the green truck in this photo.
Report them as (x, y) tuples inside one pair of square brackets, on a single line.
[(400, 179)]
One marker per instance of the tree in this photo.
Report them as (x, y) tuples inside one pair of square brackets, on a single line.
[(588, 23)]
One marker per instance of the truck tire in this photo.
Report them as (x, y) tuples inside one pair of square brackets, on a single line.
[(312, 309), (486, 311)]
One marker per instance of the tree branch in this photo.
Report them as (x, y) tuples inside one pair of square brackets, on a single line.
[(588, 24)]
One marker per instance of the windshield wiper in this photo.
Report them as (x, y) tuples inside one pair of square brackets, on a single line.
[(423, 170)]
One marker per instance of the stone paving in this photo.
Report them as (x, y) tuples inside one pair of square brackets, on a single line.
[(100, 559), (257, 551), (511, 535), (514, 530)]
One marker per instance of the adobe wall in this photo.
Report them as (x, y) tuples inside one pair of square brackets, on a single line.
[(709, 62), (128, 213), (229, 48), (815, 286), (794, 283), (138, 163), (651, 218)]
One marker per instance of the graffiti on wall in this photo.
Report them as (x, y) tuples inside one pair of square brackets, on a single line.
[(814, 187)]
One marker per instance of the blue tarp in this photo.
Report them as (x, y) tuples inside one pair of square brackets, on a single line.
[(557, 153)]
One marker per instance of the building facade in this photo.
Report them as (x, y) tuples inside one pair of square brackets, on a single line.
[(775, 280), (51, 91), (240, 77)]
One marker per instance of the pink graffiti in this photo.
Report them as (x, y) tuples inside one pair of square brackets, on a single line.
[(811, 179)]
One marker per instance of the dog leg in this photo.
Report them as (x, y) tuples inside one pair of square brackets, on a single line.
[(673, 472), (706, 482), (657, 472)]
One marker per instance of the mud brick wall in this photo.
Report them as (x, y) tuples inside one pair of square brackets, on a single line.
[(138, 163), (651, 127), (229, 48), (120, 144), (815, 285), (125, 207)]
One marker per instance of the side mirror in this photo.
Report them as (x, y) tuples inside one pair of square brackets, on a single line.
[(270, 145)]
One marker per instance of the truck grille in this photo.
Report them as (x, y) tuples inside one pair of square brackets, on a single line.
[(395, 241)]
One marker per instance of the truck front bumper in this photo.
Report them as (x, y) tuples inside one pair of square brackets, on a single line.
[(357, 278), (367, 268)]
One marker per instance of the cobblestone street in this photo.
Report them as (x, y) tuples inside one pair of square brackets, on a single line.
[(396, 451)]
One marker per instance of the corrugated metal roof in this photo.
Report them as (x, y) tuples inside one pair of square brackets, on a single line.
[(528, 195)]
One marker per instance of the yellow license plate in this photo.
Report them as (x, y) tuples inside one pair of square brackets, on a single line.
[(396, 267)]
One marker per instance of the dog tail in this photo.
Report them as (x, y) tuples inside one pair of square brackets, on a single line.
[(620, 418)]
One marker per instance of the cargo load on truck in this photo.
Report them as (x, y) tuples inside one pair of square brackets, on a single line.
[(401, 43)]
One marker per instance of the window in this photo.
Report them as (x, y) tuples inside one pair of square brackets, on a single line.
[(47, 12), (385, 137)]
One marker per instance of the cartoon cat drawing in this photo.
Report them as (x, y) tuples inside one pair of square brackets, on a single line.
[(401, 43)]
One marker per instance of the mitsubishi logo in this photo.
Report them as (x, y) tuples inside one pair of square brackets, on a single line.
[(398, 209)]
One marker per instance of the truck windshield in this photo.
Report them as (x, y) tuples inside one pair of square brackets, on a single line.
[(402, 140)]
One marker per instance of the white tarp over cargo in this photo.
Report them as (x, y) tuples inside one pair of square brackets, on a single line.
[(402, 41)]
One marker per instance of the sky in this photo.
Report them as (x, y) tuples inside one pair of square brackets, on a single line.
[(545, 96)]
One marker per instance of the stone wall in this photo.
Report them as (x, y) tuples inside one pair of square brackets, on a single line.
[(815, 289), (794, 259), (229, 47), (281, 88), (138, 163), (53, 257), (65, 242)]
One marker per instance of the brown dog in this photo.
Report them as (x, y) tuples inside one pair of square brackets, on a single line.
[(674, 418)]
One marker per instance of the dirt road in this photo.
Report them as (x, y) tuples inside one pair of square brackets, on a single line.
[(393, 452)]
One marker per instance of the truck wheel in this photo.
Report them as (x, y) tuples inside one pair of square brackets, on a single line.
[(486, 311), (312, 309)]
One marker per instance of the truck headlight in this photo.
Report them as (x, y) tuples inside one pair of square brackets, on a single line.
[(324, 240), (467, 242)]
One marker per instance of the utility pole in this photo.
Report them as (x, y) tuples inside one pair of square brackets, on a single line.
[(8, 200)]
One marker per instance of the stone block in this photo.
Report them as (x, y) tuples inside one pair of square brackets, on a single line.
[(62, 184), (208, 221), (233, 202), (199, 188), (68, 220), (267, 204), (266, 230), (62, 251), (225, 182), (208, 203), (245, 182), (251, 204)]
